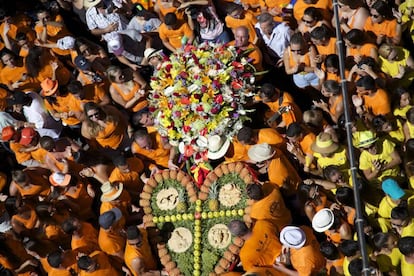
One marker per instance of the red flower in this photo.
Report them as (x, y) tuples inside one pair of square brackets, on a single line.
[(168, 67), (151, 109), (185, 100), (186, 128), (236, 84), (203, 132), (200, 108), (218, 99), (170, 105)]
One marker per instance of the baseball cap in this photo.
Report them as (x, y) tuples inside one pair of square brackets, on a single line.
[(27, 136), (115, 45), (7, 133), (392, 189), (82, 63), (108, 218)]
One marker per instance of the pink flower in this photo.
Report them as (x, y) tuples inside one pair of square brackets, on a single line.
[(200, 108), (203, 132), (185, 100), (186, 128)]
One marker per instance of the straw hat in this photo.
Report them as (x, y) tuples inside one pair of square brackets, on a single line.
[(323, 220), (49, 87), (217, 147), (111, 192), (324, 144), (260, 152), (90, 3), (366, 138), (293, 237), (151, 52), (59, 179)]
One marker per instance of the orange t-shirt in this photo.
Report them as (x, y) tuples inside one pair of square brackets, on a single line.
[(112, 135), (291, 116), (65, 104), (53, 34), (164, 9), (128, 95), (159, 155), (10, 75), (379, 103), (63, 75), (248, 21), (131, 179), (307, 260), (306, 143), (328, 49), (282, 173), (110, 242), (87, 239), (300, 7), (262, 247), (104, 266), (365, 50), (143, 252), (271, 208), (20, 156), (174, 36), (387, 27)]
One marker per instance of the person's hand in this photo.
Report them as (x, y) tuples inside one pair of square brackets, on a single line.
[(378, 165), (172, 166), (308, 181), (335, 206), (357, 100), (318, 59), (401, 71), (319, 73), (134, 67), (54, 65), (321, 104), (366, 68), (154, 170), (6, 27), (87, 172), (279, 63), (397, 14), (90, 191), (357, 58), (16, 84), (291, 148), (112, 27)]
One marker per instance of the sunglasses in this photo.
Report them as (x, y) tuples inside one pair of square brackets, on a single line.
[(296, 51), (376, 15), (96, 115), (307, 21)]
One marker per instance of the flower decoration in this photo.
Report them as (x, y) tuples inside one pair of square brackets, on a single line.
[(201, 91)]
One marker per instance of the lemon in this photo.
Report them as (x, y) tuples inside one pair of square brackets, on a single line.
[(154, 219), (198, 202), (173, 218), (216, 214), (233, 212), (197, 222), (198, 208), (178, 217), (197, 228), (197, 234), (161, 219), (197, 240), (190, 216), (196, 259), (196, 267), (197, 253), (240, 212), (222, 213), (184, 216), (196, 273), (204, 215), (167, 218), (210, 214), (197, 246), (228, 213)]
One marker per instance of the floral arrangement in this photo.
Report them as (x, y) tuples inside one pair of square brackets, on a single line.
[(201, 91)]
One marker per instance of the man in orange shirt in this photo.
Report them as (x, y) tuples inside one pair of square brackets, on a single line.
[(96, 264), (110, 239), (128, 172), (175, 34), (30, 183), (241, 41), (371, 101), (301, 250), (261, 246), (138, 256), (84, 235), (268, 205), (61, 263), (280, 103), (280, 171), (237, 16), (299, 145), (246, 137)]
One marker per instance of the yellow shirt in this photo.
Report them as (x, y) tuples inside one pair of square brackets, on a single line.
[(339, 158), (401, 112), (408, 230), (406, 268), (366, 160)]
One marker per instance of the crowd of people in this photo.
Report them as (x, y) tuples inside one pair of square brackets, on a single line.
[(78, 141)]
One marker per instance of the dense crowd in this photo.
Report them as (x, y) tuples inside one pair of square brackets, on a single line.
[(79, 141)]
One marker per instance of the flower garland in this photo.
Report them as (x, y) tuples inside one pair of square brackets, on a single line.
[(201, 91)]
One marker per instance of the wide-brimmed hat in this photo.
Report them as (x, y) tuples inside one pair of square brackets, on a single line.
[(66, 43), (115, 44), (27, 136), (366, 138), (260, 152), (323, 220), (49, 87), (324, 144), (111, 192), (392, 189), (217, 147), (151, 52), (108, 218), (7, 133), (59, 179), (90, 3), (293, 237)]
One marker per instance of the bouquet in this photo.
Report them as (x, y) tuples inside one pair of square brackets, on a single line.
[(201, 91)]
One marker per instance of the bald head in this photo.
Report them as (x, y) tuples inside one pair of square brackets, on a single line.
[(238, 228), (241, 36)]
